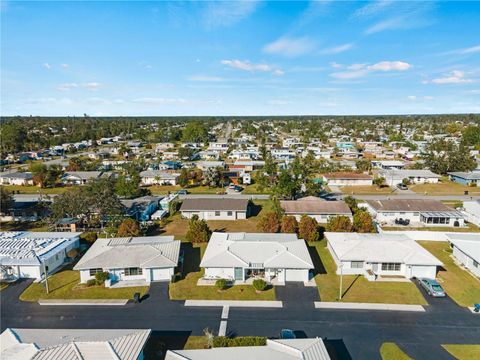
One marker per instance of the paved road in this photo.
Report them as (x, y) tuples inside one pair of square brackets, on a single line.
[(353, 334)]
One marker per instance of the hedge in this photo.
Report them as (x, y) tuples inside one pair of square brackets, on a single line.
[(223, 341)]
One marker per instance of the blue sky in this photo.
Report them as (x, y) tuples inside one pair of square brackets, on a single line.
[(239, 58)]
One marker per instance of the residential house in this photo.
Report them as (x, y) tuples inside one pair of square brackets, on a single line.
[(316, 208), (205, 165), (105, 344), (418, 211), (240, 257), (347, 179), (131, 260), (141, 208), (26, 254), (471, 211), (388, 164), (465, 178), (16, 178), (280, 349), (394, 177), (81, 177), (247, 166), (466, 251), (380, 255), (158, 177), (216, 208)]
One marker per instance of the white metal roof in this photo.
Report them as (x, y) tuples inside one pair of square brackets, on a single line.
[(379, 248), (467, 243), (256, 249), (143, 252)]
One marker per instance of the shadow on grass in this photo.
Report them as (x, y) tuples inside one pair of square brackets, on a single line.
[(191, 259), (350, 286), (255, 209), (161, 341), (319, 268)]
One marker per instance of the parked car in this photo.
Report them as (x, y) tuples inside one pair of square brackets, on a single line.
[(231, 186), (432, 287), (287, 334), (182, 192), (402, 186), (237, 188), (401, 221)]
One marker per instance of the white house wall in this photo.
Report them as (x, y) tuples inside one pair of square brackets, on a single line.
[(296, 275), (220, 273), (210, 215), (466, 261)]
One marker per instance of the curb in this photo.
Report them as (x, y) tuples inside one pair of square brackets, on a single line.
[(368, 306), (84, 302), (235, 303)]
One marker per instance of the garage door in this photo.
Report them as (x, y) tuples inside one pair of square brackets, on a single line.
[(160, 274), (296, 275), (423, 271)]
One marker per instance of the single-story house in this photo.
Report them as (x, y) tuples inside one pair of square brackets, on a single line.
[(383, 254), (80, 177), (316, 208), (158, 177), (471, 211), (205, 165), (16, 178), (216, 208), (388, 164), (26, 254), (347, 179), (139, 259), (465, 178), (279, 349), (420, 212), (106, 344), (394, 177), (466, 250), (239, 257), (141, 208)]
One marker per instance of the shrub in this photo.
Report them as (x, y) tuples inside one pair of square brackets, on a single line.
[(221, 284), (198, 231), (269, 222), (89, 237), (289, 224), (222, 341), (363, 222), (339, 224), (308, 229), (101, 276), (91, 282), (259, 284), (129, 227)]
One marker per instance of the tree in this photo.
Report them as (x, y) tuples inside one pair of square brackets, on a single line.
[(198, 230), (6, 199), (339, 224), (471, 135), (443, 156), (352, 203), (308, 229), (128, 186), (379, 181), (287, 185), (363, 222), (363, 165), (185, 153), (269, 222), (195, 132), (289, 224), (129, 227), (183, 178), (212, 177)]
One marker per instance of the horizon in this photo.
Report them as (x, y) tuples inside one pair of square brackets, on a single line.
[(246, 58)]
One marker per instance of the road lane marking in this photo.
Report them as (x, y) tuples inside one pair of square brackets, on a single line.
[(222, 331), (225, 312)]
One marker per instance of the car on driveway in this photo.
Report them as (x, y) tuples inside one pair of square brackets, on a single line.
[(432, 287), (287, 334), (402, 186), (182, 192)]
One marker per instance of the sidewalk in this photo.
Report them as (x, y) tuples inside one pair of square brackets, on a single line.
[(83, 302), (235, 303), (368, 306)]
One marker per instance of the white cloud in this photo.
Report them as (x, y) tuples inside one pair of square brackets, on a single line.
[(465, 51), (356, 66), (205, 78), (427, 97), (345, 75), (372, 8), (412, 97), (278, 102), (390, 66), (159, 101), (455, 77), (67, 86), (290, 47), (47, 66), (227, 13), (336, 65), (92, 85), (337, 49), (65, 66), (251, 67)]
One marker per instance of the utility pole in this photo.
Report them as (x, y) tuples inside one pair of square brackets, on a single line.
[(46, 276), (341, 282)]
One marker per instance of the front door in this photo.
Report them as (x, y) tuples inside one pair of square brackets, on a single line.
[(375, 267), (239, 274)]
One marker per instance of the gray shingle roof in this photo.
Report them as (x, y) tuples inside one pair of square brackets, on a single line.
[(415, 205), (210, 204), (315, 207)]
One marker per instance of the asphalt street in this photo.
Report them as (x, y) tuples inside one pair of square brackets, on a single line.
[(350, 334)]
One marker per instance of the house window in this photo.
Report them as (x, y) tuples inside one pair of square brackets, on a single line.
[(94, 271), (230, 213), (391, 266), (56, 257), (133, 271), (357, 265), (217, 213), (475, 263)]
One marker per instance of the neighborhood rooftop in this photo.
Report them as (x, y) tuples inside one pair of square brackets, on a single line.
[(212, 204), (318, 206), (416, 205), (346, 175)]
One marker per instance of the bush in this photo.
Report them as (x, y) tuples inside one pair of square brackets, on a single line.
[(259, 284), (289, 224), (91, 282), (101, 276), (221, 284), (339, 224), (308, 229), (363, 222), (129, 227), (198, 231), (89, 237), (222, 341), (269, 222)]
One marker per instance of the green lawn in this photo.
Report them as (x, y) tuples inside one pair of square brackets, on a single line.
[(253, 189), (463, 352), (366, 190), (65, 285), (163, 189), (445, 187), (187, 289), (357, 288), (23, 226), (36, 190), (391, 351), (195, 342), (460, 285), (468, 228)]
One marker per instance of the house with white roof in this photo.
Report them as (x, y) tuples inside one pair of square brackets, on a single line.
[(137, 259), (375, 255), (466, 250), (158, 177), (316, 208), (85, 344), (80, 177), (240, 257), (26, 254), (16, 178), (471, 211), (279, 349), (394, 177), (388, 164)]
